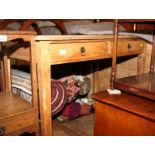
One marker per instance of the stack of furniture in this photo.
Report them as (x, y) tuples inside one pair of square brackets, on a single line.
[(52, 50)]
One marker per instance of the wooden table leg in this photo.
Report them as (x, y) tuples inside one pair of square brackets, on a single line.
[(44, 81), (33, 67)]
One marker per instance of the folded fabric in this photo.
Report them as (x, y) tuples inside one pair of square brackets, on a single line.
[(76, 85), (58, 96), (85, 106), (21, 85), (24, 95), (72, 88), (74, 110), (84, 84), (70, 111), (21, 80)]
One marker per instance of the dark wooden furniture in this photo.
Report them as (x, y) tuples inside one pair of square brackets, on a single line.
[(124, 114), (143, 84), (16, 115)]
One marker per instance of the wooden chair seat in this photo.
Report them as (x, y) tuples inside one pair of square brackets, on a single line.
[(16, 115)]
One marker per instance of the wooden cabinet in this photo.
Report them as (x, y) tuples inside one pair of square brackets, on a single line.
[(123, 115), (16, 115)]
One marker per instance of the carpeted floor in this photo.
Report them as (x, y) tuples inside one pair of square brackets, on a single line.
[(82, 126)]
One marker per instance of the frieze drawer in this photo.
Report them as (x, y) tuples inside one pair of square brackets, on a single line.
[(72, 52), (130, 47)]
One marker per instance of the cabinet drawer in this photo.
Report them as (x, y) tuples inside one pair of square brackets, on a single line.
[(72, 52), (18, 125), (130, 47)]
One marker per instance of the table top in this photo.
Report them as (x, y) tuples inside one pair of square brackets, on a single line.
[(80, 37)]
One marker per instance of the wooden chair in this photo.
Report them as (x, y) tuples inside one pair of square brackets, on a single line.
[(16, 115)]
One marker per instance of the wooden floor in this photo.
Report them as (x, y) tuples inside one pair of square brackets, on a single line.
[(82, 126)]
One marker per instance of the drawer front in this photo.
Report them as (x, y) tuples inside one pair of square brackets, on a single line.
[(130, 47), (72, 52), (16, 126)]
